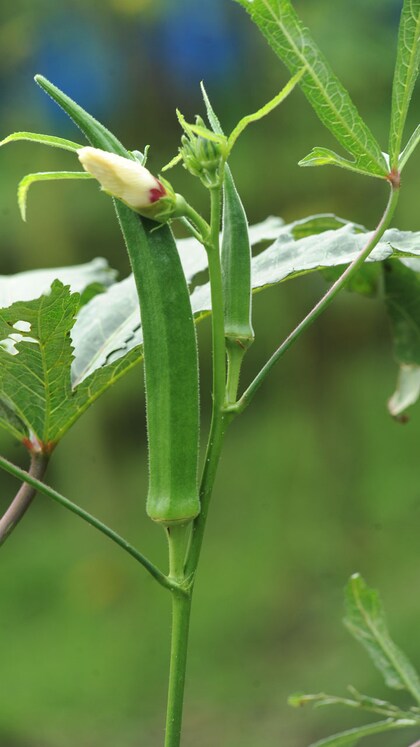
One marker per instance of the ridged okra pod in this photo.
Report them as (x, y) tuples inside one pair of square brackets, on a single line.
[(236, 267), (170, 348), (235, 255)]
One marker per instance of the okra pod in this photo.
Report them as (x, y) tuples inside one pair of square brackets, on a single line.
[(170, 347)]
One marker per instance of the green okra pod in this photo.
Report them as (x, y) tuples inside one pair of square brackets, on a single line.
[(170, 347), (236, 267), (236, 256)]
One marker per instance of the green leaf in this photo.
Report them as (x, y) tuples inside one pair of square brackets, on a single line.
[(360, 702), (52, 140), (26, 286), (409, 148), (292, 42), (365, 620), (35, 359), (405, 75), (406, 393), (352, 737), (402, 289), (402, 299), (326, 157), (30, 179)]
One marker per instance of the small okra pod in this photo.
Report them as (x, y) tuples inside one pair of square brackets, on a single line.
[(236, 266), (236, 258)]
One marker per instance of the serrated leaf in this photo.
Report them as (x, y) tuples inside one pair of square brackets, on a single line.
[(405, 75), (25, 286), (352, 737), (292, 42), (365, 619), (35, 359)]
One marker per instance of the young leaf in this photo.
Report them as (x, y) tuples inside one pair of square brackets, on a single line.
[(405, 75), (360, 702), (326, 157), (352, 737), (365, 620), (291, 41), (51, 140), (30, 179)]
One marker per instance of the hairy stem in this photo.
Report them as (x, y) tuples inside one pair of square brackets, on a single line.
[(219, 419), (181, 611), (23, 497), (317, 310), (36, 485)]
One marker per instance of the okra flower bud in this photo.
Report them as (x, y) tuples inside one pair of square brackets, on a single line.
[(130, 182)]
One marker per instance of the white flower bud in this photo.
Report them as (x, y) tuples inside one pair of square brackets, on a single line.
[(123, 178)]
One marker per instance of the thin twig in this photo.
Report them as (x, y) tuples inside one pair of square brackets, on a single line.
[(23, 497)]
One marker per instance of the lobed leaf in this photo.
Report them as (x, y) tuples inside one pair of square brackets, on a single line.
[(405, 75), (292, 42), (365, 619)]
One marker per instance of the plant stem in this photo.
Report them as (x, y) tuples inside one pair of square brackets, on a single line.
[(181, 605), (37, 485), (181, 610), (317, 310), (219, 419), (23, 497)]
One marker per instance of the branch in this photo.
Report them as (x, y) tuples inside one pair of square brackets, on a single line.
[(23, 497)]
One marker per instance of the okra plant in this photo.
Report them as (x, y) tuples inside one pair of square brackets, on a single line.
[(67, 335)]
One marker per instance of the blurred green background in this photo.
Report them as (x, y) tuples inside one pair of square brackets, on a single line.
[(316, 481)]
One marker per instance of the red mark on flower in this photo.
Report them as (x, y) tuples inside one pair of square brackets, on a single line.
[(157, 192)]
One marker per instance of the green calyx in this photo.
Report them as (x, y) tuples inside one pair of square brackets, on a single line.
[(203, 153)]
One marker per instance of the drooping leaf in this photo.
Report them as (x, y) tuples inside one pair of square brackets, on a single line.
[(402, 289), (352, 737), (25, 286), (51, 140), (365, 619), (405, 75), (292, 42), (406, 393), (43, 176)]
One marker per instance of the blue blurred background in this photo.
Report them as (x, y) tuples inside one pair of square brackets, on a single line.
[(316, 481)]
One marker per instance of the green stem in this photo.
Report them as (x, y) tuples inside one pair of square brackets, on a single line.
[(12, 469), (181, 605), (219, 418), (248, 395), (181, 611)]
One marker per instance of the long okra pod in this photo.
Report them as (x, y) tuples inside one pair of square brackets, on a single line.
[(170, 348)]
